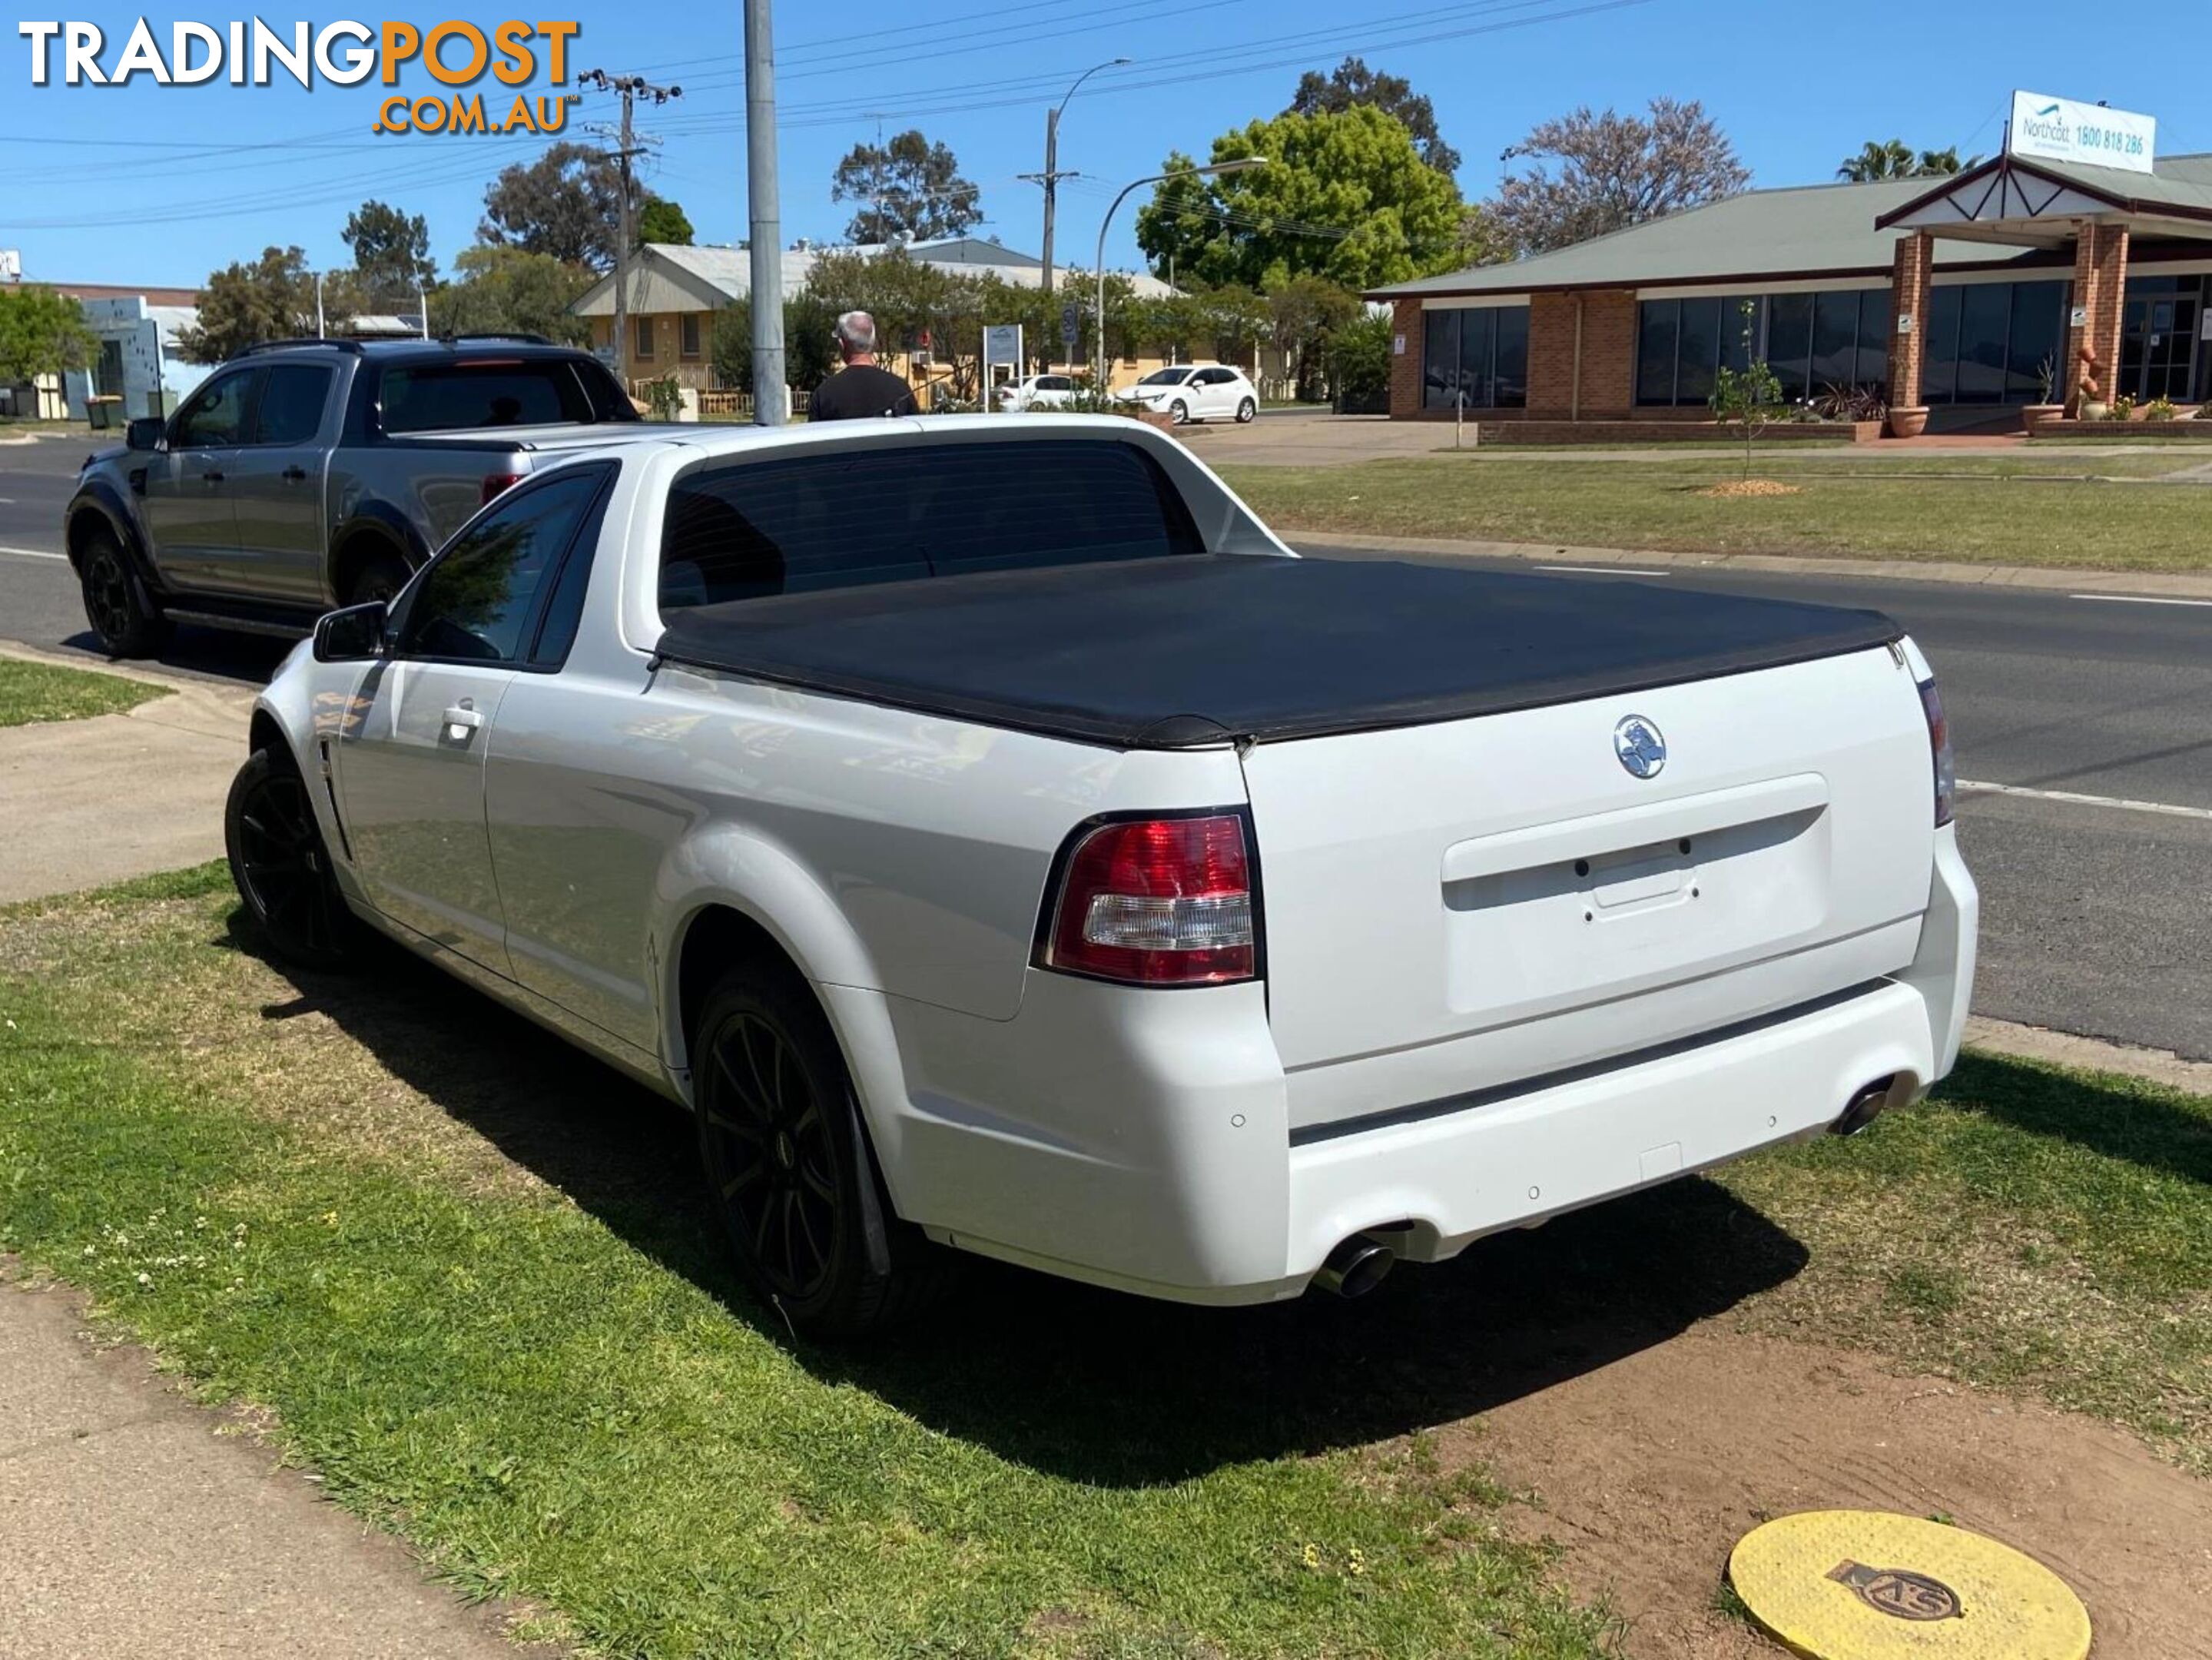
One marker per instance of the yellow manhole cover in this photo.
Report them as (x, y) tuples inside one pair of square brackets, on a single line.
[(1859, 1585)]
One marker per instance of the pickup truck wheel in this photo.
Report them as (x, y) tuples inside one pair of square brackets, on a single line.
[(380, 577), (790, 1170), (1246, 411), (116, 602), (280, 868)]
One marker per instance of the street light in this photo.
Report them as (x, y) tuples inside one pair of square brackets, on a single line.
[(1051, 176), (1242, 164)]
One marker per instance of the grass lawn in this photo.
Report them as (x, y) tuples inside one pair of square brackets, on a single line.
[(472, 1281), (42, 692), (2007, 510)]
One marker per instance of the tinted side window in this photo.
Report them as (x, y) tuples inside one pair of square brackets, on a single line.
[(502, 392), (850, 517), (474, 601), (215, 415), (291, 408), (564, 608)]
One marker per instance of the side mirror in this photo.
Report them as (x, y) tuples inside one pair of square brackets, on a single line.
[(145, 433), (355, 635)]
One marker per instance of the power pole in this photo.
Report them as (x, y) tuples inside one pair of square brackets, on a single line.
[(632, 87), (765, 213), (1052, 175)]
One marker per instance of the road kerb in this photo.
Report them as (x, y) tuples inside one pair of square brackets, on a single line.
[(2021, 1042)]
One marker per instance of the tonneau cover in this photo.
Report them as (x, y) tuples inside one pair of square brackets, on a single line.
[(1183, 652)]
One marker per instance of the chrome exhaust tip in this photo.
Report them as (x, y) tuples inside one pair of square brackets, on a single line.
[(1863, 1108), (1356, 1267)]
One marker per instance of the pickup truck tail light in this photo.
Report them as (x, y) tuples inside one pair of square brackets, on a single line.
[(1939, 743), (494, 483), (1156, 902)]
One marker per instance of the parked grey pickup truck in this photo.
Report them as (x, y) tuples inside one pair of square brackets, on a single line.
[(304, 475)]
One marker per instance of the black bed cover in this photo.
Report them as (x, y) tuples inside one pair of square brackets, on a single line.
[(1182, 652)]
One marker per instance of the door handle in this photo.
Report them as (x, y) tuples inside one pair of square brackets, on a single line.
[(461, 720), (294, 475), (212, 476)]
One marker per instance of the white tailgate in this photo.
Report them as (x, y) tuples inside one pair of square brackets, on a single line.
[(1456, 906)]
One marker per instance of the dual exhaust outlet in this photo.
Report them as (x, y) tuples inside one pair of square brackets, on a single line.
[(1358, 1264)]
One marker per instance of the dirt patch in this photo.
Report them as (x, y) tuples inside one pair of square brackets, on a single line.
[(1736, 487), (1646, 1471)]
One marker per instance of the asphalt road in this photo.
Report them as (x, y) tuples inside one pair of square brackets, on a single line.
[(2097, 918)]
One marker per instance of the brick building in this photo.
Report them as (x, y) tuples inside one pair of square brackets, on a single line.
[(1957, 294)]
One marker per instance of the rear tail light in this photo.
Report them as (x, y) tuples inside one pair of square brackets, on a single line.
[(494, 483), (1939, 745), (1156, 902)]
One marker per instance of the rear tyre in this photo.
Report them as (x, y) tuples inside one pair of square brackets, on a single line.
[(116, 602), (281, 868), (380, 577), (1246, 411), (790, 1169), (1179, 412)]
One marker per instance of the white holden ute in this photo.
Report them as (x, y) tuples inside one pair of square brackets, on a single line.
[(1002, 843)]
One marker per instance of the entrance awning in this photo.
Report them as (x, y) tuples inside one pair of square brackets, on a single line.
[(2041, 204)]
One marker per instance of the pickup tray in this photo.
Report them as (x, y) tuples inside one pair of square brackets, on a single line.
[(1206, 649)]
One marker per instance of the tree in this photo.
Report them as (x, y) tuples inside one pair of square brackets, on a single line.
[(1353, 82), (1359, 363), (565, 204), (1345, 196), (391, 253), (1612, 171), (1896, 160), (1751, 397), (41, 332), (912, 189), (662, 220), (810, 355), (271, 298), (509, 291), (1304, 314)]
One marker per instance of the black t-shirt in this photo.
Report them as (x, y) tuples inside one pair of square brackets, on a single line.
[(859, 391)]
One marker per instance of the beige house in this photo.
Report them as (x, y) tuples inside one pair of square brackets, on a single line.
[(675, 291)]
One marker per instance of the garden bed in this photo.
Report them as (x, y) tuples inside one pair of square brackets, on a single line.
[(2190, 431), (1670, 432)]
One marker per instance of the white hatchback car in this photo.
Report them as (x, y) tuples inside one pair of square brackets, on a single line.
[(1042, 392), (1196, 392)]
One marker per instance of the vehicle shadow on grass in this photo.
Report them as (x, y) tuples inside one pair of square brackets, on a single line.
[(2112, 1120), (1080, 1383)]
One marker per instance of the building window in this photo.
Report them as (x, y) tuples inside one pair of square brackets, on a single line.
[(1987, 342), (1475, 358), (1812, 342), (688, 330), (644, 337)]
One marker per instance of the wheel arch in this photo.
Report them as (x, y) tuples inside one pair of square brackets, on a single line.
[(374, 529), (98, 506)]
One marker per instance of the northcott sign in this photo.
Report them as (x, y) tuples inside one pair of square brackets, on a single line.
[(2060, 129)]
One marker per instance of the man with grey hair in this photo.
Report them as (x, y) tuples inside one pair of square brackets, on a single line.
[(860, 389)]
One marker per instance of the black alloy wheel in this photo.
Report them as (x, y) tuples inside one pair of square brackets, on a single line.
[(790, 1168), (115, 603), (281, 868), (381, 576)]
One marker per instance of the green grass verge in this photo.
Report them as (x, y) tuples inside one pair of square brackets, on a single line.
[(2016, 510), (42, 692), (472, 1281)]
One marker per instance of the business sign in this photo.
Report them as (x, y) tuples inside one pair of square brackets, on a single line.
[(2060, 129), (1071, 325)]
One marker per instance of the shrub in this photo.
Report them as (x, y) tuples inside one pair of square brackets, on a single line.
[(2159, 409)]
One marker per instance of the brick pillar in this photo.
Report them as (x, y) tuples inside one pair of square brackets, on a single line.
[(1405, 366), (1909, 283), (2101, 276)]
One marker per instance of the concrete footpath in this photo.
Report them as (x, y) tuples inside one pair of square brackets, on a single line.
[(132, 1522)]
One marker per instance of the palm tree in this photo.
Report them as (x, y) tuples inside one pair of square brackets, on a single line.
[(1877, 160), (1896, 160)]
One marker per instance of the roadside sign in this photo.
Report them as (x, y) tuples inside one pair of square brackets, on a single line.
[(2062, 130), (1071, 325)]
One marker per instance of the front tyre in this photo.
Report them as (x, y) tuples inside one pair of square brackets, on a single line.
[(116, 603), (1246, 411), (281, 868), (790, 1169), (380, 577)]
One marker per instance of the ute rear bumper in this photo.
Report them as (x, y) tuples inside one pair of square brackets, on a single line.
[(1143, 1141)]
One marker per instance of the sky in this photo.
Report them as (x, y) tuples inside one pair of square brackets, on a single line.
[(157, 186)]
